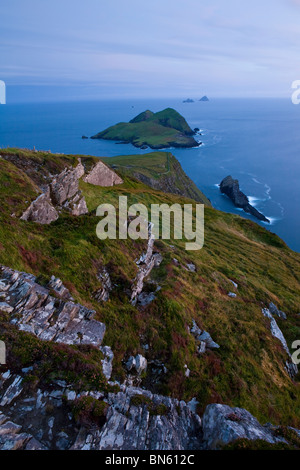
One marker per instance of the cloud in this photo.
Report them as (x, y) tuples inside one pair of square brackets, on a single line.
[(165, 45)]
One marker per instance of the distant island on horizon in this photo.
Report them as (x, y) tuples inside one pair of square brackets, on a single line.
[(189, 100)]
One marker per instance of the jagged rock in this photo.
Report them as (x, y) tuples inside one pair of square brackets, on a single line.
[(60, 290), (139, 363), (12, 439), (79, 169), (203, 337), (146, 263), (291, 368), (275, 330), (37, 312), (76, 205), (12, 392), (207, 339), (231, 188), (9, 428), (102, 295), (223, 424), (62, 192), (101, 175), (131, 427), (64, 186), (41, 210), (4, 307), (107, 361), (274, 311), (202, 347), (195, 330)]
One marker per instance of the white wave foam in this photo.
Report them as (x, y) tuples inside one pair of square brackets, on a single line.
[(268, 190), (272, 220), (256, 181), (254, 200)]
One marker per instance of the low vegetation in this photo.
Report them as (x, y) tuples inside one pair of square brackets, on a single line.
[(248, 369)]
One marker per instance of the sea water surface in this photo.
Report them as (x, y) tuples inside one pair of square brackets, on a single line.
[(256, 141)]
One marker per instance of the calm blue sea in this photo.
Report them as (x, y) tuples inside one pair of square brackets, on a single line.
[(256, 141)]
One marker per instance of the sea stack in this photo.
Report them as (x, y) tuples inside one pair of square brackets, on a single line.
[(231, 188)]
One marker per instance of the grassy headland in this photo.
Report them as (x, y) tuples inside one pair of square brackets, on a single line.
[(164, 129)]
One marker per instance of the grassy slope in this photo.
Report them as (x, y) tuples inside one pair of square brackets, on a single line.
[(159, 130), (248, 369), (160, 170)]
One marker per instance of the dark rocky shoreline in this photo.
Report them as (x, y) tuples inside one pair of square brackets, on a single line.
[(231, 188)]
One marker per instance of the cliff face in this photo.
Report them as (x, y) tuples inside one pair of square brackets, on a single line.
[(161, 171), (231, 188)]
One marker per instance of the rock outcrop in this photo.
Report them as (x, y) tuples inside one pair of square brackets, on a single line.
[(63, 193), (101, 175), (139, 420), (291, 368), (41, 210), (146, 263), (275, 311), (204, 339), (139, 363), (34, 310), (223, 425), (133, 419), (102, 294), (231, 188), (11, 437)]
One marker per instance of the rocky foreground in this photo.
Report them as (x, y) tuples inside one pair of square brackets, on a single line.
[(125, 418), (138, 345)]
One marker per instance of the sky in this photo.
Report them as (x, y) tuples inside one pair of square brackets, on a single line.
[(71, 49)]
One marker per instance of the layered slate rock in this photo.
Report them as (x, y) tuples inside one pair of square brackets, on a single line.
[(231, 188), (11, 437), (156, 423), (41, 210), (36, 311), (101, 175), (223, 425), (65, 191), (64, 186), (291, 368), (146, 263)]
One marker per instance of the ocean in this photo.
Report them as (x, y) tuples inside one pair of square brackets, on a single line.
[(256, 141)]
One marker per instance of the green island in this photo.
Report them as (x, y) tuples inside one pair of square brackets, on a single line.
[(160, 130)]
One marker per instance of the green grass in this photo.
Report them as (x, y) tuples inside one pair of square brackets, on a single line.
[(160, 130), (160, 170), (248, 369)]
